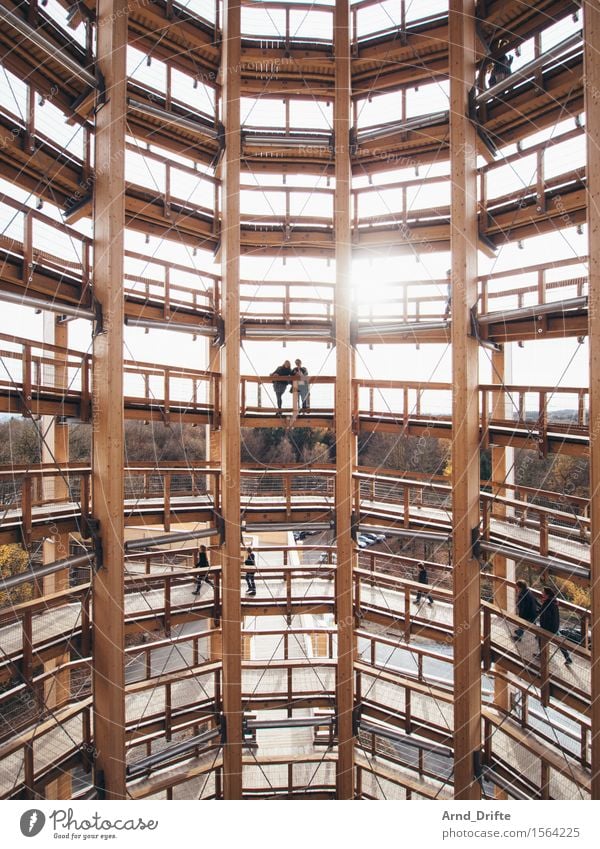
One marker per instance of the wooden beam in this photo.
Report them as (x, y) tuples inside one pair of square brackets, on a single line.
[(230, 369), (55, 449), (503, 568), (591, 14), (465, 397), (345, 440), (108, 416)]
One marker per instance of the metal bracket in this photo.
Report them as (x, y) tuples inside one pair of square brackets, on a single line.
[(485, 343), (356, 719), (98, 322), (478, 766), (353, 141), (90, 529), (474, 119), (101, 91), (98, 554), (486, 241), (475, 543), (78, 204), (221, 136), (100, 783), (220, 525), (354, 519), (223, 728), (486, 139), (220, 149), (219, 338), (332, 144), (472, 104)]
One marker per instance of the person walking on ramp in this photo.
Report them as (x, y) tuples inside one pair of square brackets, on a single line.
[(250, 564), (550, 620), (203, 564), (423, 579), (527, 607)]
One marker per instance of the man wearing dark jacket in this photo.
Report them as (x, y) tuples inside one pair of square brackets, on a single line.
[(550, 619), (423, 579), (203, 564), (527, 607), (250, 564), (280, 386)]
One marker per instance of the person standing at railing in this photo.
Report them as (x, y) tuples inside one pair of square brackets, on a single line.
[(423, 579), (550, 620), (501, 64), (250, 564), (302, 386), (501, 69), (527, 607), (279, 386), (204, 575)]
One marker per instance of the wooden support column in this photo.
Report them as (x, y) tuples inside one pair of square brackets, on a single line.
[(465, 413), (345, 440), (591, 16), (215, 459), (501, 463), (55, 449), (230, 369), (107, 416)]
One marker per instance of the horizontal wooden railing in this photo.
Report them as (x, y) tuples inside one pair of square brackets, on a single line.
[(258, 395), (36, 496), (34, 758), (284, 300), (141, 282), (167, 664), (171, 286), (40, 373), (550, 773)]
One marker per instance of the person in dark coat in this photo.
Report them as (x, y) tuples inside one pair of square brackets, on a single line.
[(280, 386), (203, 564), (250, 564), (501, 68), (550, 619), (527, 607), (423, 579)]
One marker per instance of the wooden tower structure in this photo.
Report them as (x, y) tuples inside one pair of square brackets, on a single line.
[(187, 192)]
